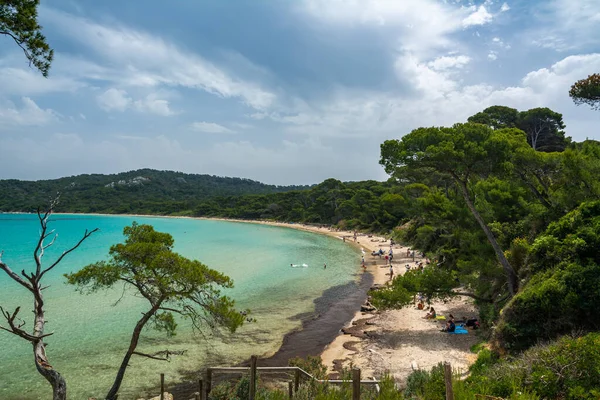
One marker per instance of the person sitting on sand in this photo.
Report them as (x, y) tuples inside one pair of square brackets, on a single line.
[(431, 314), (450, 325)]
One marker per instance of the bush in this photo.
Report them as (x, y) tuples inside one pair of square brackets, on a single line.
[(567, 369), (553, 303), (426, 385)]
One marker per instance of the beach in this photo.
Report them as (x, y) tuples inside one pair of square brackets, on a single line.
[(394, 341)]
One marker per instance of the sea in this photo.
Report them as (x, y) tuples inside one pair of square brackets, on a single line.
[(92, 331)]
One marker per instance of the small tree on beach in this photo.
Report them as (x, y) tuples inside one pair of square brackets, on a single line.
[(172, 284), (32, 281)]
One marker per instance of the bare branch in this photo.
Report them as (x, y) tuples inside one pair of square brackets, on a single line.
[(163, 355), (16, 328), (15, 277), (86, 235)]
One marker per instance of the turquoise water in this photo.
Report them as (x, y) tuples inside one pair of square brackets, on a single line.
[(92, 333)]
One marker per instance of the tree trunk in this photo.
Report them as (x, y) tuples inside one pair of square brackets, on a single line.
[(58, 383), (513, 283), (59, 386), (114, 390)]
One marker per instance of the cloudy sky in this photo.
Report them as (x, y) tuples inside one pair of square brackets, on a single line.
[(281, 91)]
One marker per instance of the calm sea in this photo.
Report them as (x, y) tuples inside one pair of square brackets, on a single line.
[(92, 332)]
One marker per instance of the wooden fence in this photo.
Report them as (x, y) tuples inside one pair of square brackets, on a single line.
[(205, 385)]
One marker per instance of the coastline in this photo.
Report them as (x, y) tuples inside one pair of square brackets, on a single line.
[(394, 341)]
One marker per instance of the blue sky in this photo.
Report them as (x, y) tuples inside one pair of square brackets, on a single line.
[(285, 92)]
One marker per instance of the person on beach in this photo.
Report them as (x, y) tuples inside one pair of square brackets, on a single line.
[(450, 324), (431, 314), (391, 272)]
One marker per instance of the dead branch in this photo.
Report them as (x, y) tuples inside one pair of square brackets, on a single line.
[(163, 355), (86, 235)]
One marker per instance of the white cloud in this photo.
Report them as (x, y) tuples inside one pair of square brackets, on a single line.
[(564, 25), (442, 101), (29, 114), (154, 105), (140, 59), (29, 82), (420, 26), (210, 127), (449, 62), (505, 7), (492, 55), (480, 16), (114, 99), (499, 42), (119, 100)]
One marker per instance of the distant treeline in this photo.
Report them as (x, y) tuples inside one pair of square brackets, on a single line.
[(367, 205), (143, 191)]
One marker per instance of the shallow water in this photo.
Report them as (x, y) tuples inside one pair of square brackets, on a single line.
[(91, 333)]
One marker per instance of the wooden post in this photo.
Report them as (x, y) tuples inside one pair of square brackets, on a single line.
[(448, 381), (291, 389), (200, 387), (207, 383), (355, 384), (162, 386), (252, 377), (296, 380)]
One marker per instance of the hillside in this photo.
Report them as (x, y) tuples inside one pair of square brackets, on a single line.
[(141, 191)]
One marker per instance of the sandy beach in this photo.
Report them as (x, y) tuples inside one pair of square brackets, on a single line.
[(394, 341)]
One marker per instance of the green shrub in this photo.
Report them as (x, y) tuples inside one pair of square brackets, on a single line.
[(426, 385), (555, 302), (485, 359)]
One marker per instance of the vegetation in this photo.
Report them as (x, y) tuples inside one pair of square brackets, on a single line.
[(587, 91), (567, 369), (543, 127), (18, 21), (172, 284), (32, 282), (142, 191)]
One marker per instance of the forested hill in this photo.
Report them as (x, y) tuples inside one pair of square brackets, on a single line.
[(141, 191)]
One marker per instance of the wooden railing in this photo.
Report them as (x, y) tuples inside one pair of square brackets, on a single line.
[(205, 385)]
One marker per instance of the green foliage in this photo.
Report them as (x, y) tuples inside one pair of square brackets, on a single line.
[(575, 237), (426, 385), (171, 283), (143, 191), (497, 117), (544, 127), (18, 20), (587, 91), (554, 302), (311, 364)]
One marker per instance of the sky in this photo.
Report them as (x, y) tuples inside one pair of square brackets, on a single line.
[(280, 91)]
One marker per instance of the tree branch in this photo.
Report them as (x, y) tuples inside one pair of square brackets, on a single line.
[(166, 354), (20, 44), (15, 277), (16, 329), (85, 236)]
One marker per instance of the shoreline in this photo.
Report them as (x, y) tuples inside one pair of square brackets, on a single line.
[(394, 341)]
